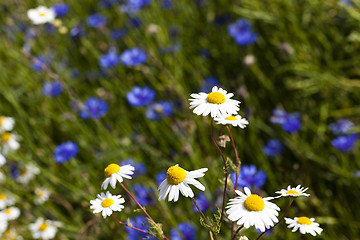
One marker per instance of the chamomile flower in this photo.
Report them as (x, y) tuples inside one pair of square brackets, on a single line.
[(5, 200), (217, 103), (252, 210), (107, 203), (178, 180), (27, 173), (243, 238), (305, 224), (236, 121), (11, 213), (9, 142), (293, 192), (6, 124), (42, 195), (114, 173), (41, 15), (43, 229)]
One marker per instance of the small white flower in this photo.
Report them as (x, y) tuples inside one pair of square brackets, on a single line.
[(107, 203), (42, 195), (41, 15), (217, 103), (2, 160), (5, 201), (293, 192), (27, 173), (114, 173), (252, 210), (9, 142), (243, 238), (43, 229), (305, 224), (3, 223), (178, 180), (236, 121), (6, 124), (11, 234), (11, 213)]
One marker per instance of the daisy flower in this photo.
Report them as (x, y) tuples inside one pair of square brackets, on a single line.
[(252, 210), (41, 15), (236, 121), (305, 224), (42, 195), (107, 203), (178, 179), (243, 238), (11, 234), (5, 201), (27, 173), (43, 229), (216, 103), (12, 213), (2, 160), (293, 192), (114, 173), (6, 124), (9, 142)]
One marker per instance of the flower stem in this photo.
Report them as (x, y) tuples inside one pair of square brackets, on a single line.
[(142, 208), (202, 214), (137, 229), (283, 216), (237, 231), (225, 169)]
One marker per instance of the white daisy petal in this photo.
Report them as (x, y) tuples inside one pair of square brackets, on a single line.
[(304, 224)]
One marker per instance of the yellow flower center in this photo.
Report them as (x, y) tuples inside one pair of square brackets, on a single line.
[(215, 98), (304, 220), (175, 175), (23, 171), (42, 14), (2, 119), (231, 118), (2, 196), (254, 203), (8, 211), (5, 137), (40, 194), (293, 192), (43, 227), (111, 169), (107, 202)]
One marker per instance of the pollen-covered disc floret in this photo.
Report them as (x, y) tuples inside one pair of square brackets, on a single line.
[(217, 103), (236, 121), (252, 210), (178, 180), (293, 192), (304, 224), (107, 203), (114, 173)]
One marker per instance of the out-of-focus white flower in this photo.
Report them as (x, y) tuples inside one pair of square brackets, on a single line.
[(2, 160), (5, 201), (43, 229), (3, 223), (41, 15), (293, 192), (6, 124), (11, 213), (27, 173), (9, 142), (42, 195), (236, 121)]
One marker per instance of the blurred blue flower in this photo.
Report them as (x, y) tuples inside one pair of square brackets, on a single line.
[(166, 4), (94, 108), (141, 223), (140, 96), (50, 29), (345, 143), (61, 9), (140, 168), (186, 231), (342, 126), (249, 177), (133, 6), (158, 110), (202, 202), (118, 33), (96, 20), (77, 31), (109, 59), (134, 22), (347, 2), (38, 63), (160, 177), (273, 147), (65, 151), (208, 83), (52, 88), (133, 57), (143, 194), (289, 122), (241, 32)]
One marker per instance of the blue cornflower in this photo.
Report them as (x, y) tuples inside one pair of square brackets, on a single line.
[(52, 88), (289, 122), (140, 168), (141, 223), (109, 59), (249, 176), (65, 151), (342, 126), (241, 32), (118, 33), (38, 63), (132, 6), (160, 177), (96, 20), (61, 9), (143, 194), (158, 110), (202, 202), (140, 96), (345, 143), (186, 231), (133, 57), (94, 108), (273, 147), (208, 83)]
